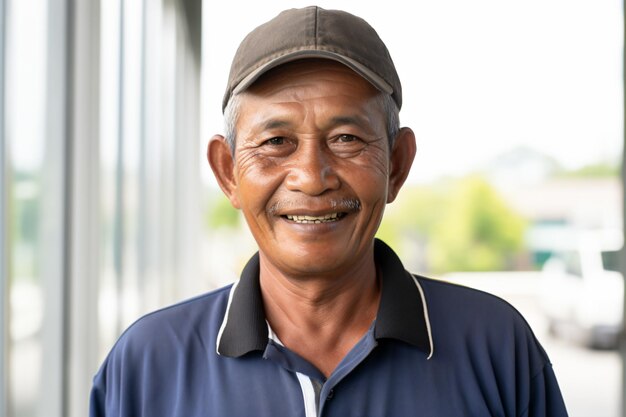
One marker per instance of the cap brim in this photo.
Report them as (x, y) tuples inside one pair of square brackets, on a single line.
[(360, 69)]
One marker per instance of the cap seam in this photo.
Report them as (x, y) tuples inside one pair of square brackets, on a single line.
[(317, 13)]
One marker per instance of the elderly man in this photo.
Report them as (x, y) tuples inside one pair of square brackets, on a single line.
[(325, 321)]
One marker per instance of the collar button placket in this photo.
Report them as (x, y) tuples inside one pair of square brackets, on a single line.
[(330, 395)]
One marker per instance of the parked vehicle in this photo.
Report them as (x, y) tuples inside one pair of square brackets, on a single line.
[(582, 290)]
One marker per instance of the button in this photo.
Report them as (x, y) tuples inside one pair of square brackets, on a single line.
[(331, 394)]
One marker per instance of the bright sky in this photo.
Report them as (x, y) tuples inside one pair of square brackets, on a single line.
[(479, 78)]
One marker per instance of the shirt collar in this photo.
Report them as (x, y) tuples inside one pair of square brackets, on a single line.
[(402, 314)]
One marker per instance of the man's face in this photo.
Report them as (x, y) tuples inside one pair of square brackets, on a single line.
[(311, 167)]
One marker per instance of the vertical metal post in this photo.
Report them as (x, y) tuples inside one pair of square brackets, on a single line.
[(623, 250), (4, 234), (143, 218), (186, 138), (118, 231), (82, 201), (54, 235)]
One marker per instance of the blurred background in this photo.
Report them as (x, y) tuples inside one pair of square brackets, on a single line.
[(108, 209)]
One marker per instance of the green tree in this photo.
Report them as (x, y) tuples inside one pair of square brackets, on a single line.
[(221, 214), (416, 211), (477, 231)]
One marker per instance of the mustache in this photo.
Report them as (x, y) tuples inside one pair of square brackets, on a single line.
[(336, 204)]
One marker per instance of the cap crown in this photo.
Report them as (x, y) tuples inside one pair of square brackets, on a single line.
[(313, 32)]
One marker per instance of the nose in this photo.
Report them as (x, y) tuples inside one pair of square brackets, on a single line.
[(313, 171)]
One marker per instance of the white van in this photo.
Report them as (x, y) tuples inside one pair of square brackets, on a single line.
[(582, 290)]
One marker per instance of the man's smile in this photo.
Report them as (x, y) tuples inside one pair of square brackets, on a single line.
[(301, 212), (306, 219)]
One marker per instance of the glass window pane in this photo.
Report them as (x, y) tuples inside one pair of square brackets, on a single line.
[(25, 115)]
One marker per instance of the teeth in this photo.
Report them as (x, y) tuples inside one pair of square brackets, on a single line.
[(313, 219)]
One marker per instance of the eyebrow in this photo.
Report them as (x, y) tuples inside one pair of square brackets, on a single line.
[(353, 120), (275, 124), (358, 121), (348, 120)]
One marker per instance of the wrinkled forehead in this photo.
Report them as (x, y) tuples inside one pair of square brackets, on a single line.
[(323, 87)]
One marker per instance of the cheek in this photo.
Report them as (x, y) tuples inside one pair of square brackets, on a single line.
[(371, 176), (257, 180), (379, 166), (376, 158)]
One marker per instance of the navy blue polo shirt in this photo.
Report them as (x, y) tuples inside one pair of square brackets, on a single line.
[(434, 349)]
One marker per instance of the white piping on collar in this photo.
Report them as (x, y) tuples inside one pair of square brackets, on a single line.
[(225, 320), (271, 335), (426, 318)]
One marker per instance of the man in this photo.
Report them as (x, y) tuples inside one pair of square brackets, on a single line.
[(325, 321)]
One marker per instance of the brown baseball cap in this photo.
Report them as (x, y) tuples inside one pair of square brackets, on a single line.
[(313, 32)]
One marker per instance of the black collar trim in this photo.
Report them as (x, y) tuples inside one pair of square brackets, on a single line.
[(402, 314)]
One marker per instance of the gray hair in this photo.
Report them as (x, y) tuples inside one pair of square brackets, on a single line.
[(385, 101), (231, 115)]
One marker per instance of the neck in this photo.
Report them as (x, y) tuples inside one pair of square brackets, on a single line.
[(321, 317)]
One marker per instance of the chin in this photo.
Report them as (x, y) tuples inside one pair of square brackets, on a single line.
[(313, 269), (313, 258)]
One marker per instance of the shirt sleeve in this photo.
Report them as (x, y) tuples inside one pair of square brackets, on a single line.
[(97, 398), (545, 396)]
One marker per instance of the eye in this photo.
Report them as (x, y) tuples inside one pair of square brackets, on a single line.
[(276, 146), (347, 145), (347, 138), (278, 140)]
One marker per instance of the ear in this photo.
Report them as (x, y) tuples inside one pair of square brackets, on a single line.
[(402, 156), (223, 165)]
